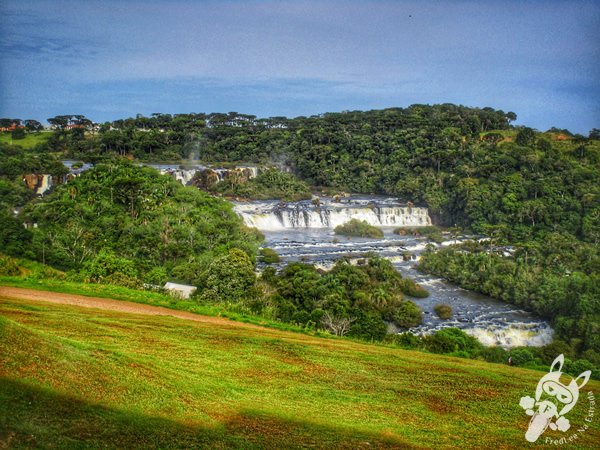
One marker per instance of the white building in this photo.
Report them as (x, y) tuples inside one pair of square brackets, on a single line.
[(180, 290)]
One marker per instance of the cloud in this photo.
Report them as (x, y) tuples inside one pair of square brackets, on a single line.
[(312, 53)]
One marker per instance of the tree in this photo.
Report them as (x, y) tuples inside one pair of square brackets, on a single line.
[(229, 278), (525, 136), (59, 122), (18, 133), (511, 116), (33, 125), (338, 325)]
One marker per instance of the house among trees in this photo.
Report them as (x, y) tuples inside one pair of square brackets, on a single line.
[(11, 127)]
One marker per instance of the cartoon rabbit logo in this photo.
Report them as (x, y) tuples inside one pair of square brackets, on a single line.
[(553, 400)]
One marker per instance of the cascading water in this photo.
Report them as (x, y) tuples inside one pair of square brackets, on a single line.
[(327, 213), (302, 231), (186, 176)]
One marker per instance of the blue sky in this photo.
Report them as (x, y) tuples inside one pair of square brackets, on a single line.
[(113, 59)]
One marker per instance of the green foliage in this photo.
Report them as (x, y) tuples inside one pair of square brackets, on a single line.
[(443, 311), (451, 340), (8, 266), (14, 238), (269, 256), (407, 314), (557, 279), (348, 300), (358, 228), (269, 184), (525, 136), (16, 162), (229, 278), (138, 215), (521, 356), (409, 287), (18, 133), (417, 231), (156, 276), (106, 264)]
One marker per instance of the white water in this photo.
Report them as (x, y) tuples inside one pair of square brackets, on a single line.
[(278, 216), (45, 184), (186, 175)]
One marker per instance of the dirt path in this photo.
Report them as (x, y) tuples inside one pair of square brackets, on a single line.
[(112, 305)]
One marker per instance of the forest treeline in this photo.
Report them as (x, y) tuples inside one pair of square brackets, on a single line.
[(468, 165)]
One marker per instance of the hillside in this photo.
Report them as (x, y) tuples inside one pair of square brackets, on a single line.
[(73, 376)]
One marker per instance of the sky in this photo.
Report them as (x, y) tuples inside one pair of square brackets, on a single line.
[(114, 59)]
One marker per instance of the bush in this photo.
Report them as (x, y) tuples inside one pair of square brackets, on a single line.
[(494, 354), (9, 266), (407, 314), (156, 276), (229, 278), (452, 340), (521, 356), (443, 311), (269, 256), (107, 264), (579, 366), (418, 231), (18, 133), (409, 287), (119, 279), (404, 340), (358, 228)]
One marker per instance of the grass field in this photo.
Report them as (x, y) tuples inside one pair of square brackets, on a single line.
[(77, 377), (30, 140)]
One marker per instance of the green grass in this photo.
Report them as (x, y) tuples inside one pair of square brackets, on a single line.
[(78, 377), (140, 296), (30, 140)]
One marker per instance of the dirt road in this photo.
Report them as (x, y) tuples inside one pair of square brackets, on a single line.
[(112, 305)]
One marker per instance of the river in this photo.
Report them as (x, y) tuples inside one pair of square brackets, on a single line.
[(303, 231)]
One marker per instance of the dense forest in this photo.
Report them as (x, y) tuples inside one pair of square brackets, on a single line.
[(534, 195)]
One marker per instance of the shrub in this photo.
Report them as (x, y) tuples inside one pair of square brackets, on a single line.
[(9, 266), (521, 356), (156, 276), (404, 340), (105, 264), (229, 278), (18, 133), (358, 228), (269, 256), (409, 287), (407, 314), (452, 340), (417, 231), (494, 354), (443, 311)]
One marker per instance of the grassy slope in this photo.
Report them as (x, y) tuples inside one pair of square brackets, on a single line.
[(77, 377), (29, 141)]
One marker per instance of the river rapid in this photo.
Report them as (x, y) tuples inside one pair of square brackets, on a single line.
[(303, 231)]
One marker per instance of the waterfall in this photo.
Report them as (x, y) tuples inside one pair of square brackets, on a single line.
[(45, 183), (186, 176), (274, 216), (513, 334), (183, 176)]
